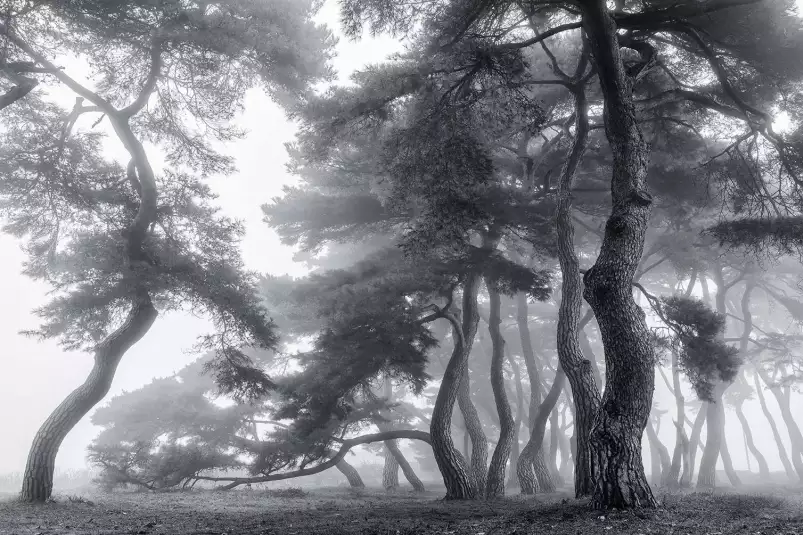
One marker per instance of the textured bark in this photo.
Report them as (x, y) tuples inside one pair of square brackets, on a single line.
[(479, 442), (629, 357), (714, 418), (578, 369), (694, 440), (787, 466), (390, 472), (495, 486), (452, 465), (763, 467), (530, 363), (532, 456), (401, 462), (353, 477), (37, 483), (680, 455)]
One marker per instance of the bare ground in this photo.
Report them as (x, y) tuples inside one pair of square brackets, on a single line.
[(755, 511)]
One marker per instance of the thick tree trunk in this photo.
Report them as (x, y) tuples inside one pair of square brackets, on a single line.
[(714, 417), (629, 357), (495, 486), (763, 467), (578, 369), (353, 477), (456, 475), (787, 466), (532, 456), (37, 484), (390, 473)]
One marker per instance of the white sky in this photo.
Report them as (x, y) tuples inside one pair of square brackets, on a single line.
[(36, 376)]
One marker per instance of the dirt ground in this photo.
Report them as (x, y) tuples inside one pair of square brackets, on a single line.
[(775, 511)]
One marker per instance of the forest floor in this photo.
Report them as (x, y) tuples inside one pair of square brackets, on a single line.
[(341, 511)]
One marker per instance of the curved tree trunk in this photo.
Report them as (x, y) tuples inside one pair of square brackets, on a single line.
[(795, 436), (479, 442), (763, 468), (727, 462), (680, 456), (452, 466), (37, 483), (660, 454), (578, 369), (694, 440), (495, 486), (390, 472), (392, 447), (353, 477), (787, 466), (532, 456)]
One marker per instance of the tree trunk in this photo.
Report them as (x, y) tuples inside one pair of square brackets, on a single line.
[(629, 357), (795, 436), (694, 441), (37, 484), (787, 466), (515, 452), (390, 473), (661, 454), (495, 486), (532, 456), (392, 447), (452, 465), (554, 446), (680, 456), (479, 442), (578, 369), (727, 462), (763, 468), (533, 374), (353, 477), (714, 413)]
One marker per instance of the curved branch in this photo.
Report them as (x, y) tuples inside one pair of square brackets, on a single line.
[(344, 449)]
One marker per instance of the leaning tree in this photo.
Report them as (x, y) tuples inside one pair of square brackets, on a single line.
[(118, 244)]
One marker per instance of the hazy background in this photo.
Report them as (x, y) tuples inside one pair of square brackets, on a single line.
[(36, 376)]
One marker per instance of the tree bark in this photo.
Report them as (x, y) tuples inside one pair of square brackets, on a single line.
[(661, 454), (714, 412), (452, 465), (495, 486), (532, 456), (795, 436), (629, 357), (392, 447), (787, 466), (727, 462), (37, 484), (390, 472), (479, 442), (577, 368), (353, 477), (554, 446), (694, 440)]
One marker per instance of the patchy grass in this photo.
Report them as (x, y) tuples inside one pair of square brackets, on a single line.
[(293, 511)]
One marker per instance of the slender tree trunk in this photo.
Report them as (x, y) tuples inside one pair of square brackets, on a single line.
[(694, 440), (727, 462), (660, 454), (390, 473), (554, 446), (37, 484), (532, 456), (763, 467), (578, 369), (533, 374), (629, 356), (495, 486), (680, 455), (453, 468), (392, 447), (353, 477), (479, 442), (795, 436), (515, 452), (787, 466)]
